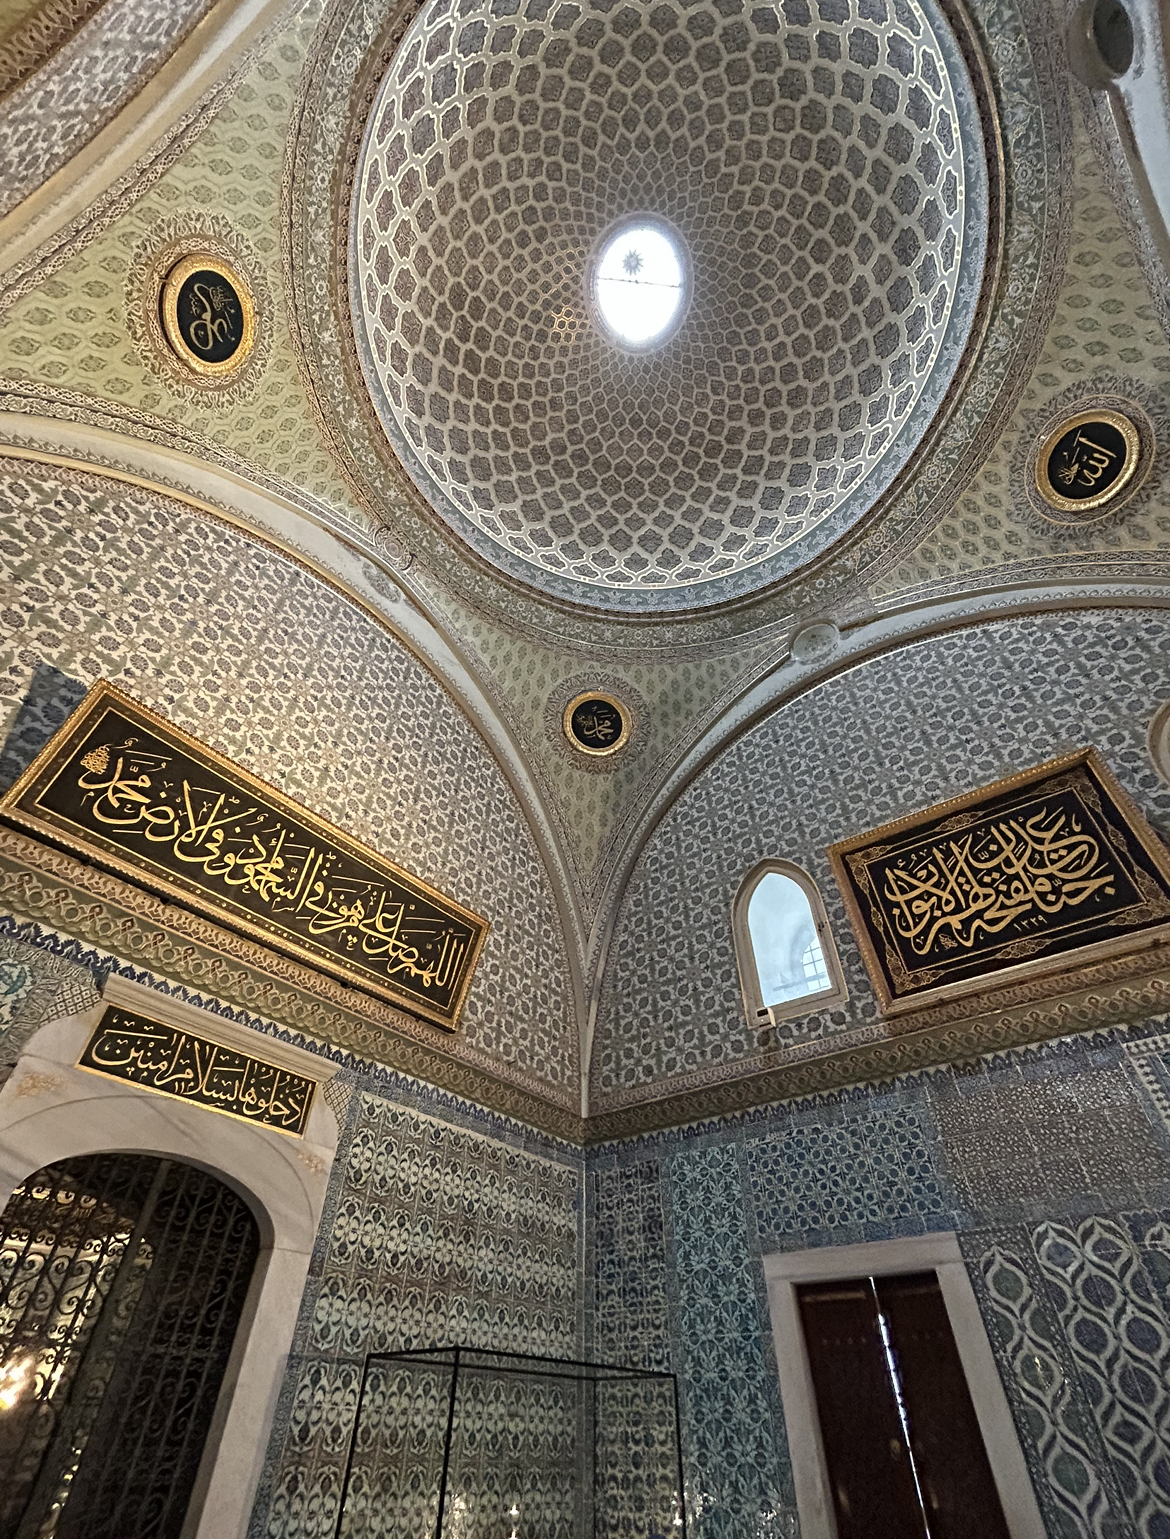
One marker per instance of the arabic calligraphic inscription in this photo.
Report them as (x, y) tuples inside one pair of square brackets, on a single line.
[(1087, 461), (174, 1062), (1036, 871), (208, 314), (596, 724), (121, 784)]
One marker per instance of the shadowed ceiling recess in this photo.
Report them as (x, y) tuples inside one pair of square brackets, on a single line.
[(822, 164)]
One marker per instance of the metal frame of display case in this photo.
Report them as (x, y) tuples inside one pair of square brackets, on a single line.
[(573, 1369)]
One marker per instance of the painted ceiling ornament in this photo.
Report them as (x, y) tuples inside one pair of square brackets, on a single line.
[(1087, 463), (817, 172), (597, 724), (208, 314), (195, 301)]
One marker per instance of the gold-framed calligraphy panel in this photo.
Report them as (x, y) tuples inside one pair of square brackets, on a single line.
[(119, 783), (1050, 867), (170, 1061)]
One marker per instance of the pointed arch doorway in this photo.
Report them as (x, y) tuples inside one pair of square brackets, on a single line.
[(123, 1278)]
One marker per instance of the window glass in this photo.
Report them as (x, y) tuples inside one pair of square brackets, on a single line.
[(789, 960)]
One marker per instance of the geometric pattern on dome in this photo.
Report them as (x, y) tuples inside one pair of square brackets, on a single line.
[(814, 159)]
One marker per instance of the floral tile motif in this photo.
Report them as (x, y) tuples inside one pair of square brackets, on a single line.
[(1070, 1472), (433, 1234), (1023, 1145), (443, 1236), (271, 667), (1002, 696), (35, 987), (16, 983), (629, 1268), (1149, 1063), (1080, 1318), (739, 1479), (1118, 1333)]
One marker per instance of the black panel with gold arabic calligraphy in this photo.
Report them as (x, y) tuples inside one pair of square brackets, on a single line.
[(119, 782), (1030, 869)]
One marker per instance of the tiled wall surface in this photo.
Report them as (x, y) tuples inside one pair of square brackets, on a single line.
[(35, 986), (446, 1224), (889, 737), (442, 1227), (1054, 1167), (254, 656)]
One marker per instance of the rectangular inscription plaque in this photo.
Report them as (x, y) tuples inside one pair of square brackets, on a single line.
[(1047, 869), (119, 783), (143, 1052)]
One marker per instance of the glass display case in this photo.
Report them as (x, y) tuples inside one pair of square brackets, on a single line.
[(463, 1443)]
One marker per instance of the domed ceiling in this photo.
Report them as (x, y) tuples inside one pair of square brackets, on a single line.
[(822, 165)]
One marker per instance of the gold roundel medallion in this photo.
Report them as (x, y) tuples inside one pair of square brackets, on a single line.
[(597, 724), (1087, 461), (208, 314)]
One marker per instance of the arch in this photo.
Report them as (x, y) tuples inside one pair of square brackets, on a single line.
[(50, 1111), (307, 540), (124, 1286), (783, 945), (879, 636)]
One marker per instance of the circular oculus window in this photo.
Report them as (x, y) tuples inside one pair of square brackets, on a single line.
[(640, 283), (543, 361)]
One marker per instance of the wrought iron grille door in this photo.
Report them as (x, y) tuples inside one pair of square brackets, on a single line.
[(122, 1281)]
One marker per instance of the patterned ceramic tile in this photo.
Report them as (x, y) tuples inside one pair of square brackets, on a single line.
[(1070, 1472), (629, 1266), (16, 983), (30, 30), (251, 654), (435, 1234), (739, 1482), (1119, 1335), (1078, 1314), (1021, 1145), (36, 987), (1075, 1305), (847, 1174), (53, 114), (888, 737)]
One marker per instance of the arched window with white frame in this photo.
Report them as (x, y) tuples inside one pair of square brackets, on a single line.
[(788, 964)]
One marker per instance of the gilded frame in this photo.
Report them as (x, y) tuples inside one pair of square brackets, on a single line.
[(168, 308), (205, 1039), (623, 736), (18, 805), (1121, 487), (876, 841)]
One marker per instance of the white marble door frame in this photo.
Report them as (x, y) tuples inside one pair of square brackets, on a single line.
[(51, 1110), (939, 1253)]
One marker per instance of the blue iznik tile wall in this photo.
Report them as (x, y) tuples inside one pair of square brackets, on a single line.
[(890, 736), (1052, 1164), (444, 1225), (35, 986), (251, 653)]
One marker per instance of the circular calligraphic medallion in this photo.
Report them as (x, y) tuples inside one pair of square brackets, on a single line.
[(1087, 461), (208, 314), (596, 724)]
